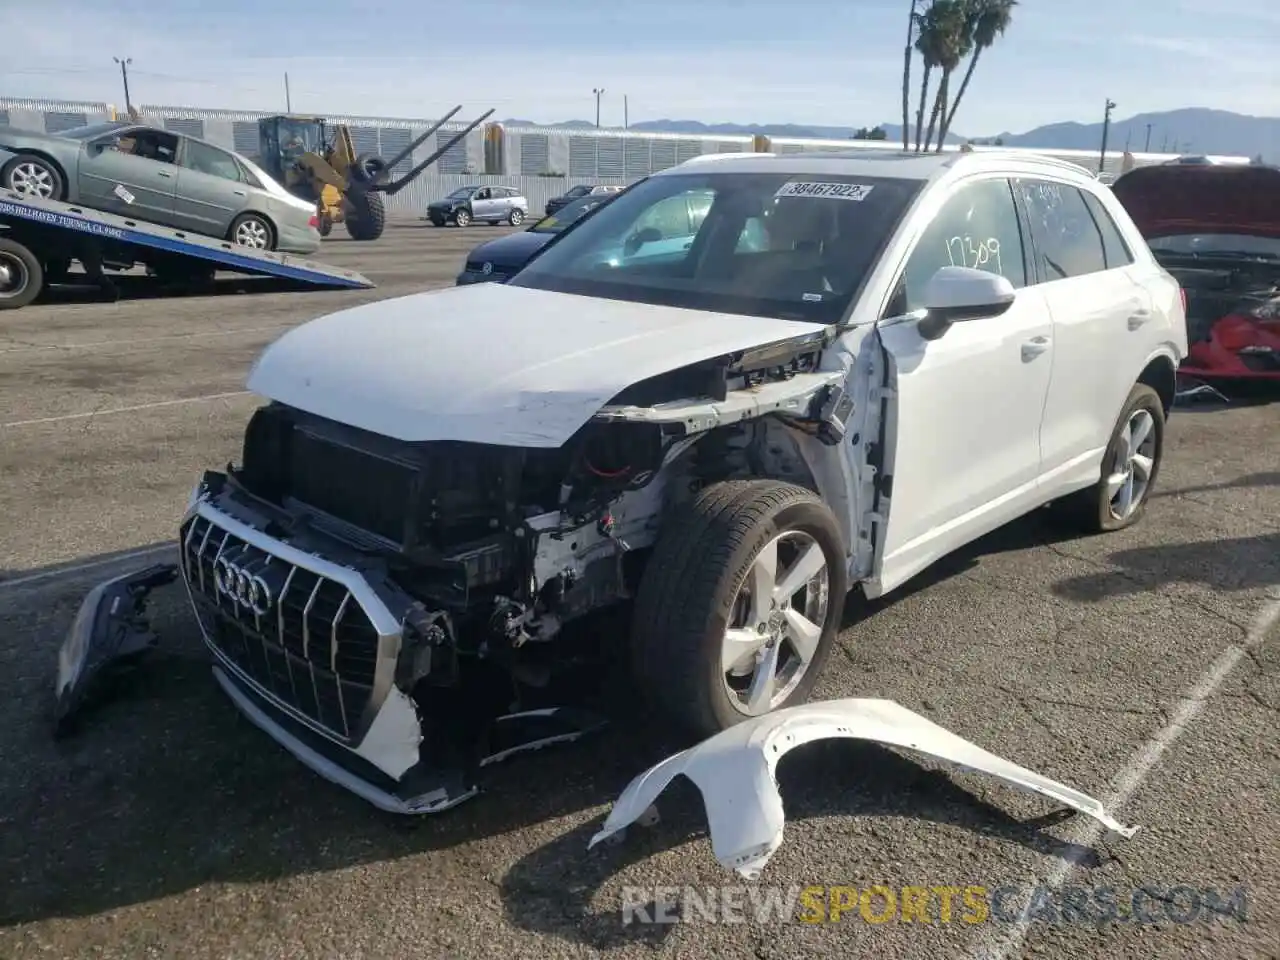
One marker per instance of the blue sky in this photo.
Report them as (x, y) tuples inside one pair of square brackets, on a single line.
[(801, 61)]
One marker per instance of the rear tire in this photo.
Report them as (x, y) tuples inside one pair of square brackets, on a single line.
[(1119, 499), (515, 217), (34, 176), (253, 231), (366, 215), (21, 275), (699, 643), (324, 225)]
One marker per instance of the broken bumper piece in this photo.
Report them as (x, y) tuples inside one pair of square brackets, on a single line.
[(110, 629), (734, 771), (424, 788)]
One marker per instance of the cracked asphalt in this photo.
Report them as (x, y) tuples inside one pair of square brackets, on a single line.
[(1128, 666)]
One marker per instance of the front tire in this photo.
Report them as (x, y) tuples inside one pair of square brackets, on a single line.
[(462, 218), (366, 215), (739, 605), (1129, 468), (252, 231), (34, 176)]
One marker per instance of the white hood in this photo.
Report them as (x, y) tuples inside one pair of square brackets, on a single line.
[(491, 363)]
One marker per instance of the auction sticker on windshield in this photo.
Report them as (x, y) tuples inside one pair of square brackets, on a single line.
[(829, 191)]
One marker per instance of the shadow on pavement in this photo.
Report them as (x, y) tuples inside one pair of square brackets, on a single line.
[(148, 288), (1243, 563), (1265, 479)]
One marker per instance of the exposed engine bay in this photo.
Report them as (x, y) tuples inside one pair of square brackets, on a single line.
[(509, 543), (1217, 291)]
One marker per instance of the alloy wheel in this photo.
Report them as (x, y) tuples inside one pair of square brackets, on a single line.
[(777, 621), (253, 233), (1130, 476), (32, 179)]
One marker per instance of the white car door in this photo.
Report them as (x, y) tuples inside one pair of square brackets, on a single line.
[(1100, 324), (963, 437)]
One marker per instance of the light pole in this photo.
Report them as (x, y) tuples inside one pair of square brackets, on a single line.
[(1146, 147), (1106, 128), (124, 75), (599, 92)]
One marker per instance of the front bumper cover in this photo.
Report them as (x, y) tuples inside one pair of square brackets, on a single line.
[(734, 771), (110, 630)]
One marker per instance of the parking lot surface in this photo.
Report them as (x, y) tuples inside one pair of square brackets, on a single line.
[(1141, 667)]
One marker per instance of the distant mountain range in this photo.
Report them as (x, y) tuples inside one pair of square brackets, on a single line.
[(1190, 130)]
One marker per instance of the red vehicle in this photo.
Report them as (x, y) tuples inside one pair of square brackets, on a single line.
[(1217, 229)]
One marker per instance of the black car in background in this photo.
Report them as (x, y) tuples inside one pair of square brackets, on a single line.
[(580, 191), (497, 260)]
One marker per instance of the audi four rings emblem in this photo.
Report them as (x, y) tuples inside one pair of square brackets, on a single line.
[(487, 268), (242, 587)]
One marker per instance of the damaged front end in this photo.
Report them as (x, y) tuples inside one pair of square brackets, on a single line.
[(393, 611), (319, 645), (734, 771)]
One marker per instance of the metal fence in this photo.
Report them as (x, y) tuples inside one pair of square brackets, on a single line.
[(539, 161)]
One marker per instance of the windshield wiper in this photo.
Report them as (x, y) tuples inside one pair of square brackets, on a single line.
[(1217, 254)]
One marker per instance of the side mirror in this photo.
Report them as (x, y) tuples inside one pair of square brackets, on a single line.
[(640, 238), (956, 294)]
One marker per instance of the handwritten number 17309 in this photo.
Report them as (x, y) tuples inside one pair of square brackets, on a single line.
[(981, 253)]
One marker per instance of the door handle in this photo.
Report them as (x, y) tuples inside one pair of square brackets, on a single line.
[(1034, 347), (238, 193), (165, 173), (1138, 318)]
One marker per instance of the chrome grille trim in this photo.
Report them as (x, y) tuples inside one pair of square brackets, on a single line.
[(343, 716)]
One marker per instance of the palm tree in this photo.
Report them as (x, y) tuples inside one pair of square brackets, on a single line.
[(951, 43), (926, 38), (987, 22), (906, 78)]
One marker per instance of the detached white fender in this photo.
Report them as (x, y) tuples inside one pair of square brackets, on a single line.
[(734, 770)]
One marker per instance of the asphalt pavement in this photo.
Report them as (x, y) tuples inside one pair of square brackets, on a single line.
[(1142, 667)]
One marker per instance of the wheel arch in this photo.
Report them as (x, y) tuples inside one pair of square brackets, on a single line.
[(1161, 375), (760, 449)]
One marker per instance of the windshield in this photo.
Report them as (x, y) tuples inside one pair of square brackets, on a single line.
[(581, 190), (299, 136), (762, 244), (1217, 245), (461, 193), (92, 130), (573, 211)]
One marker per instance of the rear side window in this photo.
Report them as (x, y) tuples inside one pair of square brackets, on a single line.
[(1068, 241), (1114, 248)]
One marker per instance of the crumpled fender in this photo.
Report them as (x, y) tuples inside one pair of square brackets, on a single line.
[(734, 770)]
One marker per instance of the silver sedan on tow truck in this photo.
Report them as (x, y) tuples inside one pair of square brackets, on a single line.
[(162, 177)]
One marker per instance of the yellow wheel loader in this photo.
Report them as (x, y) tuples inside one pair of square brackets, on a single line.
[(318, 162)]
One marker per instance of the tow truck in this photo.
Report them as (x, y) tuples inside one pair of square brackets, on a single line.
[(38, 237)]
